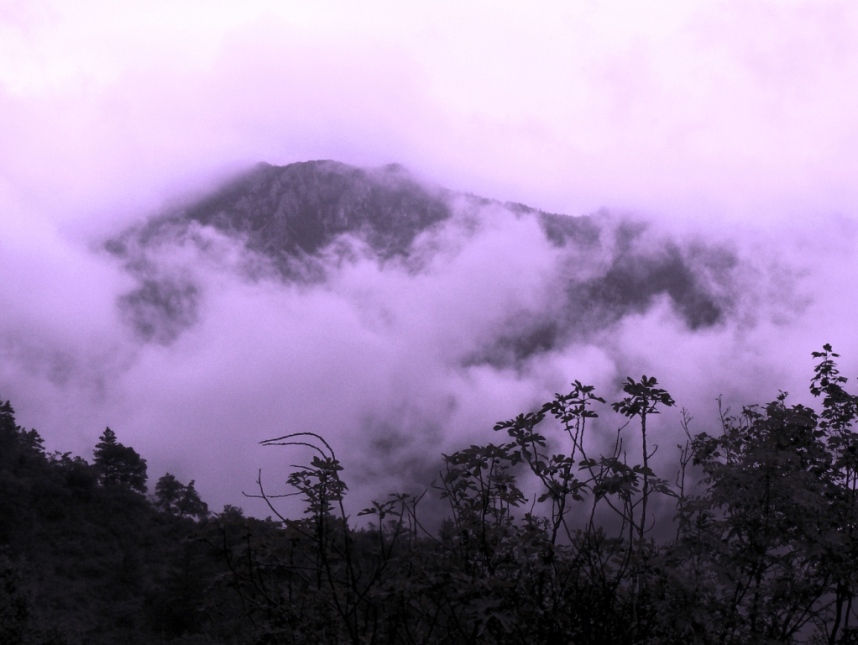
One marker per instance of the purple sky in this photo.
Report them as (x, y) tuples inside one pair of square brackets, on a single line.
[(724, 120)]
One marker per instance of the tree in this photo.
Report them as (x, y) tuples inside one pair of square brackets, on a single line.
[(772, 538), (119, 465), (18, 447), (171, 496), (764, 548), (8, 429)]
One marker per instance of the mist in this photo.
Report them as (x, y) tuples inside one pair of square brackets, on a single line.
[(726, 132)]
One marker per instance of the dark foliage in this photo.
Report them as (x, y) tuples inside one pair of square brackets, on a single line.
[(118, 465), (171, 496), (85, 558), (762, 546)]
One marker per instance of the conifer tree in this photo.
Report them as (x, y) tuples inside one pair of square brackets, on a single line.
[(119, 465)]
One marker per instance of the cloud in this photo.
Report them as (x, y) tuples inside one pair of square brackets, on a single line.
[(388, 361), (718, 122), (678, 110)]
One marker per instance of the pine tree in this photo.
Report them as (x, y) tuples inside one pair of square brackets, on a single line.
[(119, 465)]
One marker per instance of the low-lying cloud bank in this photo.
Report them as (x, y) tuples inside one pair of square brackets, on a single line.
[(397, 360)]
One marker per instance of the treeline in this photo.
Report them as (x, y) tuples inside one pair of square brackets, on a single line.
[(87, 557), (757, 538)]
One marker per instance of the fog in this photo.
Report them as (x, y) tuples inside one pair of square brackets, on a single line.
[(721, 125)]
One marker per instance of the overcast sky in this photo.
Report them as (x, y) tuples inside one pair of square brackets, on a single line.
[(729, 120)]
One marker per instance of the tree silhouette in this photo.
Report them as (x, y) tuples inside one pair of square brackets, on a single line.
[(119, 465), (171, 496), (548, 538)]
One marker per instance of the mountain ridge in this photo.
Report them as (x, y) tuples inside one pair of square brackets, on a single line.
[(302, 207), (297, 216)]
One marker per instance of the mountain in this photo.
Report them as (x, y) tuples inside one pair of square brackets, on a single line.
[(302, 222), (302, 208)]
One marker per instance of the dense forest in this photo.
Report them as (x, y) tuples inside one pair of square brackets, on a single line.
[(756, 538)]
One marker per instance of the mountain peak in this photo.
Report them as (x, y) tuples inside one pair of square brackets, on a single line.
[(302, 207)]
